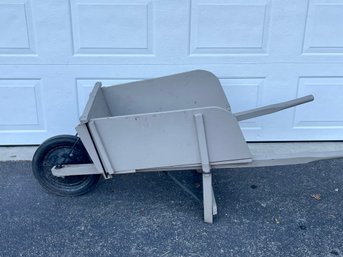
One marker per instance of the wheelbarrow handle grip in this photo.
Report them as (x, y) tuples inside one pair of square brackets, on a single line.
[(272, 108)]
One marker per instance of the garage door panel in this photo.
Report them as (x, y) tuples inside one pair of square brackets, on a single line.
[(149, 32), (36, 102), (16, 16), (17, 30), (229, 27), (110, 27), (60, 92), (22, 116), (21, 104), (129, 32), (318, 115), (324, 30), (263, 52), (35, 32)]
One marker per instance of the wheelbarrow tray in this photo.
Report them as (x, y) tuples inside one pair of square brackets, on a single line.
[(149, 125), (177, 122)]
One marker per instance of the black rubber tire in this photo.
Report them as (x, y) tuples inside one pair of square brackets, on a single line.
[(57, 150)]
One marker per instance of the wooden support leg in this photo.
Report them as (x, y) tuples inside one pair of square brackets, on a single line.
[(210, 206), (207, 197)]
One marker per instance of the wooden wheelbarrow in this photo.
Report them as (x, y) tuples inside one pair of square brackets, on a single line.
[(177, 122)]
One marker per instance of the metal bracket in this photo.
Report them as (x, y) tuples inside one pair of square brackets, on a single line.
[(210, 205)]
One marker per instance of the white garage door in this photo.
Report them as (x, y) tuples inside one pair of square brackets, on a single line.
[(263, 51)]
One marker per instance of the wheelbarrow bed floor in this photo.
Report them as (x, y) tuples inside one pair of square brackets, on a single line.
[(177, 122), (258, 161)]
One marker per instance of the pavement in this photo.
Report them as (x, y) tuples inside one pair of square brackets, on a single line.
[(275, 211)]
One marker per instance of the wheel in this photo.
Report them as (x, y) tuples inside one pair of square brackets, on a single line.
[(59, 150)]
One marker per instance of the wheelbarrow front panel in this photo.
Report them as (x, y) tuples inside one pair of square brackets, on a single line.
[(88, 143), (194, 89), (96, 106), (166, 139)]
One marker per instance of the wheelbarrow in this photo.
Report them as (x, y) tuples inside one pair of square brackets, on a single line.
[(177, 122)]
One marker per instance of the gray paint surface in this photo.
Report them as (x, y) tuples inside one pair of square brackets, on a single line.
[(149, 125), (187, 90), (149, 141), (97, 106)]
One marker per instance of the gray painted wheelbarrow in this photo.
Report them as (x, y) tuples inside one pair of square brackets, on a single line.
[(178, 122)]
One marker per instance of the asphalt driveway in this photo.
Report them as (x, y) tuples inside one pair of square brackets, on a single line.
[(278, 211)]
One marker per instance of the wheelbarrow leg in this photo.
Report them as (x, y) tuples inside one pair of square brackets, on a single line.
[(208, 197), (210, 206)]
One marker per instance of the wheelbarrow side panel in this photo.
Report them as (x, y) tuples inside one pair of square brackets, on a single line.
[(167, 139), (194, 89)]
